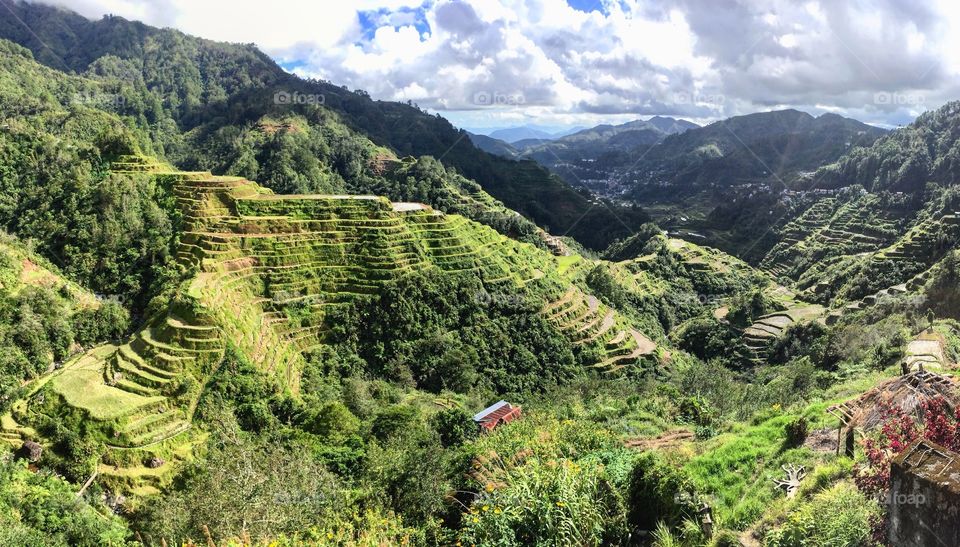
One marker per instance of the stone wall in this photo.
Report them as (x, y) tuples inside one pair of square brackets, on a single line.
[(924, 499)]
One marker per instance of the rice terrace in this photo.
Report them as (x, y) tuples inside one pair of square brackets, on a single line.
[(463, 273)]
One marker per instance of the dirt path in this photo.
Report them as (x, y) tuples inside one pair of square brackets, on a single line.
[(668, 439)]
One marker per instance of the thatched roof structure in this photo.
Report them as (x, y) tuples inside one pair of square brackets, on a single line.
[(906, 392)]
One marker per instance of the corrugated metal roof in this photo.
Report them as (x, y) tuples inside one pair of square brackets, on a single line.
[(479, 416)]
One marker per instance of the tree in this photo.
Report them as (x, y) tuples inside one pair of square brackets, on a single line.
[(244, 485), (454, 425), (42, 509)]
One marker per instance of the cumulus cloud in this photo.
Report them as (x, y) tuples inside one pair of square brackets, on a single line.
[(494, 62)]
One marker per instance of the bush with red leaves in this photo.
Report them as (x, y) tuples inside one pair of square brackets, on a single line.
[(898, 431)]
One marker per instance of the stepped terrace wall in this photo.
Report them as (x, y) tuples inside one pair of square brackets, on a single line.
[(271, 267), (266, 272)]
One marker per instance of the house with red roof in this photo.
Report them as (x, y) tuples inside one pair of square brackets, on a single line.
[(498, 413)]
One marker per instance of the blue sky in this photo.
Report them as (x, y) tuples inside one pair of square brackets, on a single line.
[(499, 63)]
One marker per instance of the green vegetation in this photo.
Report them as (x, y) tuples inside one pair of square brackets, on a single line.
[(41, 509), (839, 516), (198, 100), (46, 317), (298, 360)]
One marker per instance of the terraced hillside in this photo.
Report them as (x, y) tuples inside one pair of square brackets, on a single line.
[(760, 336), (586, 320), (860, 280), (833, 228), (779, 260), (837, 281), (706, 260), (266, 272), (728, 276)]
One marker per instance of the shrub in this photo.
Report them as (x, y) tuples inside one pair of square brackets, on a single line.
[(839, 516), (395, 419), (747, 307), (725, 538), (454, 426), (696, 411), (796, 431), (547, 502), (707, 338), (333, 421), (656, 489), (110, 321)]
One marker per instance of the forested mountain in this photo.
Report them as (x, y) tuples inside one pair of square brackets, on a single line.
[(226, 319), (769, 147), (927, 150), (552, 150), (517, 134), (567, 155), (197, 82), (494, 146)]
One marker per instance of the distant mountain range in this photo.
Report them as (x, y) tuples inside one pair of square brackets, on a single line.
[(554, 151), (780, 147), (664, 155), (728, 175), (513, 135)]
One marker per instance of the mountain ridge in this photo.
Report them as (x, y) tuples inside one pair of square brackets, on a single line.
[(206, 76)]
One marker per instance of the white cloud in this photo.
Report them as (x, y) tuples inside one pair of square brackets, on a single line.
[(480, 62)]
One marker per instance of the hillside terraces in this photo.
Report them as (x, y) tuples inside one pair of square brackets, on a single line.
[(760, 336), (765, 330), (910, 258), (140, 395), (828, 229), (920, 243), (264, 259), (794, 233), (319, 252), (913, 285), (585, 320), (129, 163), (267, 271), (702, 259)]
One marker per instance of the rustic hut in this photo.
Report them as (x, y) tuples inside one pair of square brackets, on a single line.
[(906, 392)]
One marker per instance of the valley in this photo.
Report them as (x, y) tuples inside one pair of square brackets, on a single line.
[(232, 320)]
